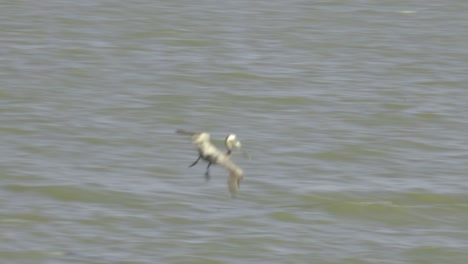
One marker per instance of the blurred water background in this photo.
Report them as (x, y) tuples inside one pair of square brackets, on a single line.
[(354, 114)]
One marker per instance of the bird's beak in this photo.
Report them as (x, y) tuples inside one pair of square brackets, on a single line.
[(244, 153), (238, 145)]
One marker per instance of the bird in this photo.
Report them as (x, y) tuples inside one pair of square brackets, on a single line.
[(208, 152)]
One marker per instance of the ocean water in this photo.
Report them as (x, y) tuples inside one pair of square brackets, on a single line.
[(353, 114)]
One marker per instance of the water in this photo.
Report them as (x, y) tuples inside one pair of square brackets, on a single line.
[(353, 113)]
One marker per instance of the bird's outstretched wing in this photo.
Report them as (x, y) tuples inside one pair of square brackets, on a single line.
[(235, 175)]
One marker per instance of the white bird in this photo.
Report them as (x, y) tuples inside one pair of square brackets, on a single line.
[(208, 152)]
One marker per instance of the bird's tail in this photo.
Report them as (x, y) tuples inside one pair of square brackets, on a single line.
[(185, 132)]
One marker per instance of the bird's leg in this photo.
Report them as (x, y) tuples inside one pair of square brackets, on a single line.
[(195, 162), (207, 173)]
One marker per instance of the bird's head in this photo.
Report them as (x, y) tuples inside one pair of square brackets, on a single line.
[(232, 142)]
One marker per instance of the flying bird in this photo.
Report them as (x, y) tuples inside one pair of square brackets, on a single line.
[(209, 153)]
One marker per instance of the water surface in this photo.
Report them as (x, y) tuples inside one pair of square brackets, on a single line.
[(353, 113)]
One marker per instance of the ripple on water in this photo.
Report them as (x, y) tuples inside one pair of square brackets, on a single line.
[(35, 256), (436, 254), (72, 193), (287, 217), (394, 209)]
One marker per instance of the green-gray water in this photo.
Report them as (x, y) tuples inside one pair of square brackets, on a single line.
[(354, 114)]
